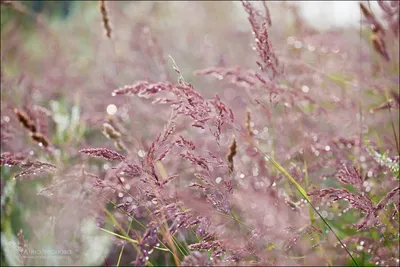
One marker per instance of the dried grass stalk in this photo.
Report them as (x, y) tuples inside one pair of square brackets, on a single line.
[(231, 154), (104, 17)]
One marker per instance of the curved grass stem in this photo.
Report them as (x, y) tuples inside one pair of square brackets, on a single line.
[(301, 190)]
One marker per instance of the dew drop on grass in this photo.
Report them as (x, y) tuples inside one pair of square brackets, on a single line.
[(305, 89), (111, 109), (141, 153), (298, 44)]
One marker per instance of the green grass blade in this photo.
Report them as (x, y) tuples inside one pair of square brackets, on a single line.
[(304, 194), (288, 176)]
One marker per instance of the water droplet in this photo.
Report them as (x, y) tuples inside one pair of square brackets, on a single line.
[(218, 180), (111, 109), (120, 194), (141, 153), (305, 88), (298, 44)]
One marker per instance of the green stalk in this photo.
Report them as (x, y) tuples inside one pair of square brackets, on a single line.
[(304, 194)]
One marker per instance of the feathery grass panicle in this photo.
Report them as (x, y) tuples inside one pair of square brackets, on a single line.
[(269, 61), (231, 153), (103, 153), (28, 123), (176, 175), (10, 159), (25, 120), (104, 17), (40, 139), (248, 123), (379, 45), (110, 132), (371, 19)]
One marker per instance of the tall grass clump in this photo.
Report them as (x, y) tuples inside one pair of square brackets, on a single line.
[(199, 134)]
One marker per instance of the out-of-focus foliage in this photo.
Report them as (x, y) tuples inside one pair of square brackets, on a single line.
[(195, 124)]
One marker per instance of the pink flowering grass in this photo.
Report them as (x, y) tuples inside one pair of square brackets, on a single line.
[(200, 134)]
